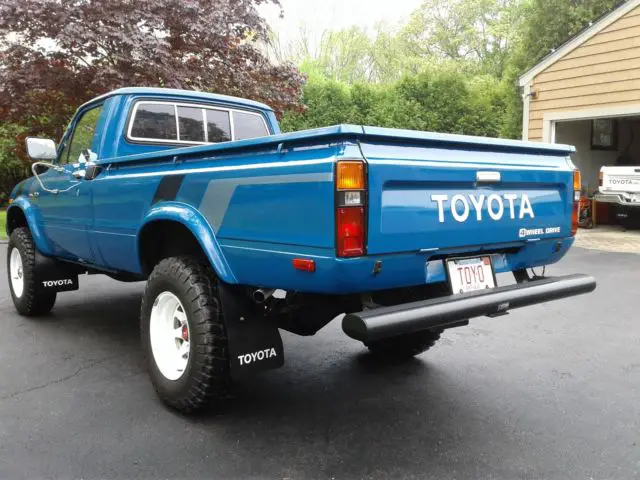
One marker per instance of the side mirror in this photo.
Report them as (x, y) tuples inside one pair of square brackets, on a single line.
[(41, 149)]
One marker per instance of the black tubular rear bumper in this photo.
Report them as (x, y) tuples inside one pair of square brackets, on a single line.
[(385, 322)]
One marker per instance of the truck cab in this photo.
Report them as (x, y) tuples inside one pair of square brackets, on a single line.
[(240, 230)]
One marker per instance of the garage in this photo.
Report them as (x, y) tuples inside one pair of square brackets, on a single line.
[(587, 93)]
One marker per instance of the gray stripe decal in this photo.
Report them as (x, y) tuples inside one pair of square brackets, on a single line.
[(217, 196)]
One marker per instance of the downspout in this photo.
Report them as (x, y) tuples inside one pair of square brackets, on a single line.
[(526, 100)]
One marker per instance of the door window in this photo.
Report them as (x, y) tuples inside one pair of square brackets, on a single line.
[(82, 137)]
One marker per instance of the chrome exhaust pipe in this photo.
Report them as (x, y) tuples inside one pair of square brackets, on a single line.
[(261, 295)]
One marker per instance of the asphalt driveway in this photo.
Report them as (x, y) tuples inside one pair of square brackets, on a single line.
[(546, 392)]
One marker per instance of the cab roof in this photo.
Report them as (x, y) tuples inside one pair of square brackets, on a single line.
[(177, 93)]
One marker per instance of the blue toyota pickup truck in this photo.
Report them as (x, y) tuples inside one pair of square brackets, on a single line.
[(240, 231)]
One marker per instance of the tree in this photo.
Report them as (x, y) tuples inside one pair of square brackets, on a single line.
[(437, 100), (550, 22), (478, 32), (56, 54), (351, 55), (343, 55), (12, 170)]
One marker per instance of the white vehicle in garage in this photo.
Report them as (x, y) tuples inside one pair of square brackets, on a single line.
[(621, 186)]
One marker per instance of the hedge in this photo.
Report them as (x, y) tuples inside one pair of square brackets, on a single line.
[(434, 101)]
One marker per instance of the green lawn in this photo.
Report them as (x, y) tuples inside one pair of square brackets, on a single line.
[(3, 221)]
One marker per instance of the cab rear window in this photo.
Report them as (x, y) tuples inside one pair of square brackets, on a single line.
[(248, 125), (191, 124), (169, 122), (155, 121)]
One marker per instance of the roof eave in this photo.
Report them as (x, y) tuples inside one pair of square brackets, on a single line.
[(578, 40)]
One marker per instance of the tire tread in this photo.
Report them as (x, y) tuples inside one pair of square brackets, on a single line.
[(33, 302), (210, 368)]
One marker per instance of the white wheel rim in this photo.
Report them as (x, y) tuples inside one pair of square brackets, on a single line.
[(169, 334), (16, 272)]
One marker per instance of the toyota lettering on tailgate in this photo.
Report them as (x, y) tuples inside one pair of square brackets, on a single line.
[(461, 206)]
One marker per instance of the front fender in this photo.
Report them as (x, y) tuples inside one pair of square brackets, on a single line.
[(189, 216), (32, 214)]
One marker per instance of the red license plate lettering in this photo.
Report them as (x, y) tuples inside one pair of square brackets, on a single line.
[(469, 275)]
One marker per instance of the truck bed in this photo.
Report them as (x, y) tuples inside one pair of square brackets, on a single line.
[(269, 200)]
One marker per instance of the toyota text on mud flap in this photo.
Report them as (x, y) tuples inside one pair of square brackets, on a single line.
[(256, 356)]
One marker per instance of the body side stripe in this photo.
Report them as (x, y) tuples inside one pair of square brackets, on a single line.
[(226, 168)]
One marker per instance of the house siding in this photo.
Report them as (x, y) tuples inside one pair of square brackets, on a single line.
[(603, 71)]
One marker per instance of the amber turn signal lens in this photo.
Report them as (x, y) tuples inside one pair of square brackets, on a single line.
[(577, 185), (350, 175)]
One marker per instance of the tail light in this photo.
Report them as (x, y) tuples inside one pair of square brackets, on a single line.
[(351, 199), (600, 177), (575, 214)]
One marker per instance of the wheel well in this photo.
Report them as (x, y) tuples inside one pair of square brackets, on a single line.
[(15, 219), (166, 238)]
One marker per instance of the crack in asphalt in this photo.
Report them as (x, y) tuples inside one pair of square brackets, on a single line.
[(58, 380)]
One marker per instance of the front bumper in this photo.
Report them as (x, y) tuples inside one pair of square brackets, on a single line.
[(386, 322), (619, 198)]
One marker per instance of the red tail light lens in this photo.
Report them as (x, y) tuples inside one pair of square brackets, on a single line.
[(351, 228)]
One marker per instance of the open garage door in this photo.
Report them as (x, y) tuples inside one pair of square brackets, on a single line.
[(600, 141)]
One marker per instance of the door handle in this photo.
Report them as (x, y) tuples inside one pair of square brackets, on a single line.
[(79, 174)]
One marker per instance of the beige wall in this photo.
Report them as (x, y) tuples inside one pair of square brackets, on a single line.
[(603, 71), (578, 134)]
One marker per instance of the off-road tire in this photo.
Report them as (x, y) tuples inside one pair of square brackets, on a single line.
[(206, 377), (403, 346), (34, 301)]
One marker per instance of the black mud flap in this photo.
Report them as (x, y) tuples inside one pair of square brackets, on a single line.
[(255, 344), (54, 276)]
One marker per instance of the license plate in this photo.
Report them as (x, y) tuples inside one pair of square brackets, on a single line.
[(470, 274)]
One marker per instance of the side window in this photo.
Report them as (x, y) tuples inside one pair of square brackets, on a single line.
[(154, 121), (218, 126), (82, 136), (190, 124), (247, 125)]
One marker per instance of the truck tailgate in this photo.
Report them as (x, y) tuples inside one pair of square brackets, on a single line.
[(434, 197), (620, 179)]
